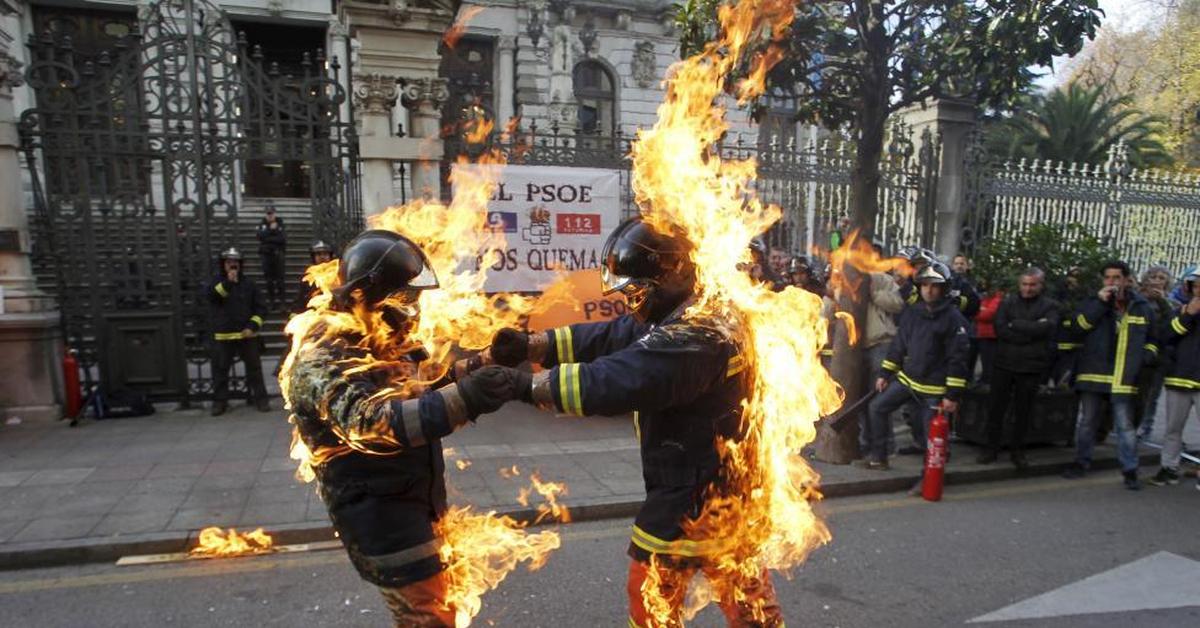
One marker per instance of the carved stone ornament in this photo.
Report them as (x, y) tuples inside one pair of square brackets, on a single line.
[(10, 72), (426, 91), (624, 20), (338, 28), (399, 11), (376, 93), (275, 7), (564, 114), (645, 64)]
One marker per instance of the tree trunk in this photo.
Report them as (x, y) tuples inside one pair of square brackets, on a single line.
[(849, 367)]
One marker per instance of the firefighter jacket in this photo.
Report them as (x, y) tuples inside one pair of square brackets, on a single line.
[(1115, 344), (1180, 334), (929, 352), (380, 471), (686, 382), (959, 290), (234, 306)]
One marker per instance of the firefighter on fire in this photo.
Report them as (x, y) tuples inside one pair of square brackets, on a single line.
[(378, 451), (685, 381), (236, 311)]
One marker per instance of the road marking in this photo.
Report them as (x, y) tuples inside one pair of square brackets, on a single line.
[(1158, 581), (262, 563)]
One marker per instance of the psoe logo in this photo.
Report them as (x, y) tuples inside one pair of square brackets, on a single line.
[(538, 232), (505, 222)]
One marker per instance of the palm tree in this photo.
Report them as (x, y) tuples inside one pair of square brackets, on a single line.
[(1080, 124)]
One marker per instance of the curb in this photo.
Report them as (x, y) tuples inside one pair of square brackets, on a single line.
[(95, 550)]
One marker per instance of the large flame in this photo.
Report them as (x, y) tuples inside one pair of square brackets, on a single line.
[(764, 519), (480, 549), (215, 542)]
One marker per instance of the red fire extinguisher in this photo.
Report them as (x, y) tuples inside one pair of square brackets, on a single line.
[(937, 448), (74, 397)]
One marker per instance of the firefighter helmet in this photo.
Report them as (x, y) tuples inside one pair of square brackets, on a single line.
[(800, 264), (231, 253), (1191, 276), (651, 269), (320, 246), (379, 263), (933, 272)]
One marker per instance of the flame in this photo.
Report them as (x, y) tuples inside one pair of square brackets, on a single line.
[(858, 254), (462, 464), (763, 518), (509, 472), (550, 492), (851, 329), (216, 542), (459, 27), (480, 550)]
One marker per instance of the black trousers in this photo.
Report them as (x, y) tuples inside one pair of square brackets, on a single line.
[(222, 360), (272, 264), (1018, 389)]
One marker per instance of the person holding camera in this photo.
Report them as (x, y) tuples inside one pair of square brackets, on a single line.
[(1117, 327)]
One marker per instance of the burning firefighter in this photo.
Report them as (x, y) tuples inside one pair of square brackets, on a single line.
[(374, 432), (686, 380)]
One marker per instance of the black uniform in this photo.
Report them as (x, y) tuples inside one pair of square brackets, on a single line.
[(271, 246), (234, 307), (383, 504), (1115, 345), (684, 379), (1183, 368)]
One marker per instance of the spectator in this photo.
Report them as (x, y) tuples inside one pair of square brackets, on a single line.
[(928, 358), (882, 309), (1118, 338), (960, 265), (801, 275), (778, 260), (1182, 378), (237, 318), (1066, 339), (272, 241), (1155, 286), (1025, 324), (985, 335)]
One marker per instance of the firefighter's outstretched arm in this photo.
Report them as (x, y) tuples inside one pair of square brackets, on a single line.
[(583, 342)]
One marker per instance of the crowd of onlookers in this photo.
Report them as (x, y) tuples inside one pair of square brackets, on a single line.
[(933, 333)]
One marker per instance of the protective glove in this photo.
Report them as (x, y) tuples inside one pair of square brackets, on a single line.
[(485, 390), (510, 347)]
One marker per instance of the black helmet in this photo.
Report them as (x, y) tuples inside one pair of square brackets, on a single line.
[(380, 262), (231, 253), (933, 272), (651, 269)]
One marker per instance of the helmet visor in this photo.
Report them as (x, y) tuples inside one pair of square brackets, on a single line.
[(611, 282), (426, 280)]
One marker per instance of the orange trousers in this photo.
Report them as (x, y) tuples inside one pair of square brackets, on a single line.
[(420, 604), (751, 602)]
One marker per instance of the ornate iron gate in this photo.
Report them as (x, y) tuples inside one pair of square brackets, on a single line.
[(137, 157)]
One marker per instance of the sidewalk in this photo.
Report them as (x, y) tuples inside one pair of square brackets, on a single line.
[(147, 485)]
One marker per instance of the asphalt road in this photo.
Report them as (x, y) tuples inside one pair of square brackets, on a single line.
[(894, 561)]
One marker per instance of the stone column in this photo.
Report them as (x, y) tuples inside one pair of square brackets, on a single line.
[(374, 97), (30, 336), (506, 86), (424, 97), (952, 119)]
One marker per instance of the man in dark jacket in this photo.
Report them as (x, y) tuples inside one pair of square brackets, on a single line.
[(318, 253), (373, 437), (272, 241), (685, 379), (1025, 326), (236, 313), (928, 360), (1119, 337), (1182, 377)]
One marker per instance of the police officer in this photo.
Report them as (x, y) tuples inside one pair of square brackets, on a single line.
[(927, 363), (318, 253), (686, 381), (236, 314), (377, 448), (272, 241)]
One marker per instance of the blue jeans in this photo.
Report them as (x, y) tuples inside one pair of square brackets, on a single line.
[(894, 397), (875, 355), (1091, 413)]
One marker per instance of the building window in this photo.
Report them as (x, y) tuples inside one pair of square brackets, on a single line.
[(467, 68), (596, 98)]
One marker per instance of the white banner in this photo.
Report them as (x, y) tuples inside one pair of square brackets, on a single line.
[(555, 219)]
